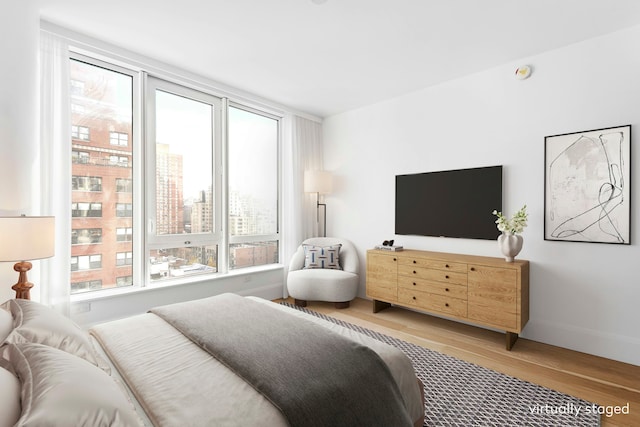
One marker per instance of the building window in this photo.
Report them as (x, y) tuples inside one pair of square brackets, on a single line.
[(124, 210), (118, 138), (124, 258), (86, 236), (76, 87), (87, 285), (124, 234), (80, 132), (124, 185), (80, 157), (253, 188), (86, 262), (78, 109), (86, 183), (119, 160), (86, 210), (124, 281)]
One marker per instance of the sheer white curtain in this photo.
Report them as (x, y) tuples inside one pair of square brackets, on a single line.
[(302, 150), (55, 166)]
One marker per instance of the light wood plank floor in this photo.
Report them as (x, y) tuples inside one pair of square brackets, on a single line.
[(602, 381)]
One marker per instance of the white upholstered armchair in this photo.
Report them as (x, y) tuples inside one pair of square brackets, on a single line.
[(313, 275)]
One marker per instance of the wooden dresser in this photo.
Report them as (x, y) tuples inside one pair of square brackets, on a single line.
[(485, 291)]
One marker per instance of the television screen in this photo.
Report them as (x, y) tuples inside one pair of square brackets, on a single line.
[(454, 203)]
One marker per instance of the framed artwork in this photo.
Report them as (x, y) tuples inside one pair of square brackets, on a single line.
[(587, 180)]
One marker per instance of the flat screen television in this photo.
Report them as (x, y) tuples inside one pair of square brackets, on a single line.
[(452, 203)]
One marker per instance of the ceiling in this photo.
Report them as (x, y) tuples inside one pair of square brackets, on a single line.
[(326, 57)]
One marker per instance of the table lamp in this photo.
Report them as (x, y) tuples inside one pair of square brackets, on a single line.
[(26, 238)]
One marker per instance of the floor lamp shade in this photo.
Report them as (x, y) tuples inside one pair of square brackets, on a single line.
[(26, 238), (317, 182)]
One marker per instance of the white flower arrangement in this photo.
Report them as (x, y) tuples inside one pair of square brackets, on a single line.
[(514, 225)]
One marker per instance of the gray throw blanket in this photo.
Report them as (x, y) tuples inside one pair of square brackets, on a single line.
[(312, 375)]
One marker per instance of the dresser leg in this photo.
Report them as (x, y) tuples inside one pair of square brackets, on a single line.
[(511, 337), (380, 305)]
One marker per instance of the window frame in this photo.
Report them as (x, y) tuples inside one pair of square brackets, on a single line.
[(258, 238), (142, 144), (112, 64), (216, 237)]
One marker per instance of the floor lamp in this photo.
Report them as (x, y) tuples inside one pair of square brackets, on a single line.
[(26, 238), (318, 182)]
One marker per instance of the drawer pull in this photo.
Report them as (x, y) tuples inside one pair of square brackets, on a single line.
[(414, 272), (414, 261), (472, 269), (414, 298), (446, 289), (446, 277), (446, 265), (414, 283), (446, 304), (395, 259)]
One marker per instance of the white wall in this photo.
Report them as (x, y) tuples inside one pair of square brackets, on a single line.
[(584, 296)]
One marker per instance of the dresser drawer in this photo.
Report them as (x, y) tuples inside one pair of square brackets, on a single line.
[(434, 263), (432, 302), (440, 288), (431, 274)]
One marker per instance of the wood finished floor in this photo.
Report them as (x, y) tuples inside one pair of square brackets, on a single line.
[(602, 381)]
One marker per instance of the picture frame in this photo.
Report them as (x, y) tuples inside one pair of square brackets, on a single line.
[(587, 179)]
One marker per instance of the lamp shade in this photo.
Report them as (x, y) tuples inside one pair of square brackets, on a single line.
[(317, 182), (26, 238)]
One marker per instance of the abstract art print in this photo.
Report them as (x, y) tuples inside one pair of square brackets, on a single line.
[(587, 180)]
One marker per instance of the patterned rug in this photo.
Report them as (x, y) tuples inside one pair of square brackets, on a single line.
[(458, 393)]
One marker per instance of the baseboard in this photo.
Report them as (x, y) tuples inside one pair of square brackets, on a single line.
[(611, 346)]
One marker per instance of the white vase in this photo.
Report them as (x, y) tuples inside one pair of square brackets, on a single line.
[(510, 245)]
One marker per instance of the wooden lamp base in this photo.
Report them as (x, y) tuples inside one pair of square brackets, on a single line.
[(23, 286)]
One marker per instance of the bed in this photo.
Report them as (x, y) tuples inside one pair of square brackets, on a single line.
[(220, 361)]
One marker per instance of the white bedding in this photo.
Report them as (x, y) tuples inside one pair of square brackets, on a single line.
[(179, 384)]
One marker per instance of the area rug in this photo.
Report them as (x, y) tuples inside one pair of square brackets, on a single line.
[(459, 393)]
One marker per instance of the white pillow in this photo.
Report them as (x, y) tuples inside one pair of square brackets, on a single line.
[(6, 323), (59, 389), (37, 323), (10, 402)]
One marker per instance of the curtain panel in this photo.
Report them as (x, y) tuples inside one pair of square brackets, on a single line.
[(302, 150), (55, 167)]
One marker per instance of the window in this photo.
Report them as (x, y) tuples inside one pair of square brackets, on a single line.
[(119, 160), (86, 262), (124, 258), (253, 188), (86, 210), (119, 138), (86, 236), (81, 157), (86, 183), (77, 87), (184, 141), (80, 132), (153, 210), (124, 209), (101, 220), (124, 185), (87, 285), (124, 234), (124, 281)]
